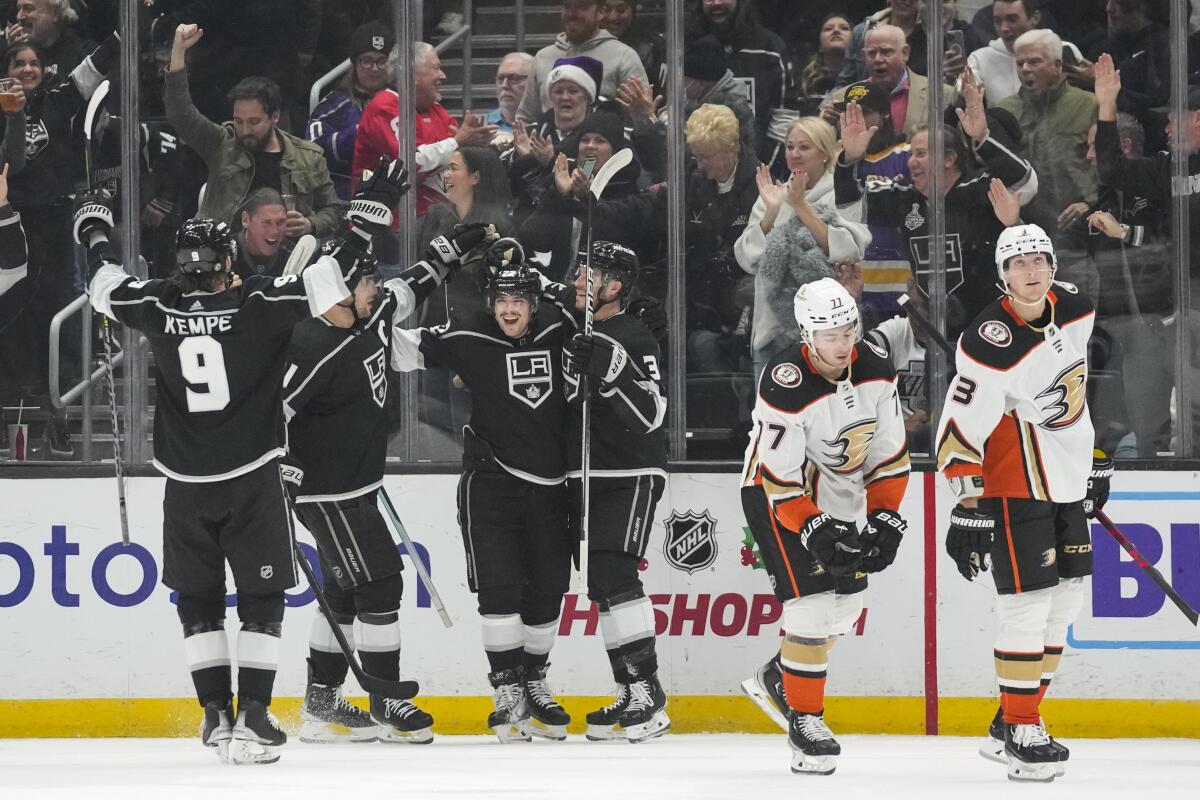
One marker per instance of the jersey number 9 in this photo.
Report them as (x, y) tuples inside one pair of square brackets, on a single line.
[(202, 362)]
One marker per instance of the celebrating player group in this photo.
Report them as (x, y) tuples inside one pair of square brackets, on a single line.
[(272, 401)]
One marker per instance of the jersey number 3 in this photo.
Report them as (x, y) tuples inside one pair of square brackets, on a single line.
[(964, 390), (202, 362)]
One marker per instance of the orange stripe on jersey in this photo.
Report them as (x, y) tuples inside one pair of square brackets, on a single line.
[(1012, 550), (1004, 473), (783, 553), (887, 493), (795, 512)]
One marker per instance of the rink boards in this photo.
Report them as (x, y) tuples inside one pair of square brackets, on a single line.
[(90, 645)]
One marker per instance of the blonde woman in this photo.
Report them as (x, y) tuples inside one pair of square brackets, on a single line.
[(794, 233)]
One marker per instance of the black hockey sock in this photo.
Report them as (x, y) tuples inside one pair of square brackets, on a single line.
[(641, 658), (328, 669), (329, 665), (258, 656), (206, 646), (379, 644)]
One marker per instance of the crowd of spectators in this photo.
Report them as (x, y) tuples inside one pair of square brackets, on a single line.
[(808, 145)]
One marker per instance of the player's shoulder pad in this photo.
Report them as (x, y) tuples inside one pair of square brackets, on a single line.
[(787, 384), (630, 332), (1069, 303), (995, 340)]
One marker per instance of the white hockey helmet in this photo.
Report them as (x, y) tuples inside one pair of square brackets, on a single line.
[(823, 305), (1022, 240)]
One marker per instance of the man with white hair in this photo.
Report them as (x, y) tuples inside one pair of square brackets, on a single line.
[(1055, 118), (996, 64), (48, 24), (511, 77)]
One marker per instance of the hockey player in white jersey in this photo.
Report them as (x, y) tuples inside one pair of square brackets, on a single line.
[(827, 459), (1016, 444)]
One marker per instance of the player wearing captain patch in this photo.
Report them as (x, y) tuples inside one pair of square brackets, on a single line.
[(335, 396), (1016, 443), (827, 458), (511, 497)]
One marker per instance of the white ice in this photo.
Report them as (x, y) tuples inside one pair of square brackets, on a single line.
[(691, 766)]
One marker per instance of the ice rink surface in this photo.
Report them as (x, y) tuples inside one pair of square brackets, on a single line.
[(692, 766)]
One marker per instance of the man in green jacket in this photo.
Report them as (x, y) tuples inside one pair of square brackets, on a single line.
[(251, 151)]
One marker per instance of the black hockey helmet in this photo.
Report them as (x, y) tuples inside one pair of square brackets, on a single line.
[(612, 260), (366, 264), (202, 245), (518, 280)]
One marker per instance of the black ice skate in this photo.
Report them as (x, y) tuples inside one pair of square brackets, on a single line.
[(216, 728), (400, 721), (602, 723), (993, 748), (329, 719), (510, 720), (257, 736), (814, 750), (1031, 753), (645, 717), (765, 688), (549, 720)]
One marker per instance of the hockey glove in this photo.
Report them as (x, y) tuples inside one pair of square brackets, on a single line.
[(969, 540), (833, 544), (461, 246), (652, 314), (379, 192), (93, 218), (881, 539), (596, 356), (1097, 485)]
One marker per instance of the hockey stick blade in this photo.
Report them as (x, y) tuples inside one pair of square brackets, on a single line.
[(618, 162), (924, 322), (1148, 568), (399, 690), (306, 245)]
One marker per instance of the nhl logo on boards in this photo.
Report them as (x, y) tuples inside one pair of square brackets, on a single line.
[(996, 333), (691, 543), (530, 377), (786, 375)]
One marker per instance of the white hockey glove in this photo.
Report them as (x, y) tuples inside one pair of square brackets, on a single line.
[(93, 218)]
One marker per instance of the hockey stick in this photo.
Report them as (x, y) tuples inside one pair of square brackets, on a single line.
[(422, 573), (306, 245), (400, 690), (924, 322), (95, 103), (1148, 568)]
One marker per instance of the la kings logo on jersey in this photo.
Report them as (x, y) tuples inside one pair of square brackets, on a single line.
[(376, 366), (848, 450), (691, 543), (529, 377)]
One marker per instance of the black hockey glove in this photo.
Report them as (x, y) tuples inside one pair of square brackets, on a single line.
[(461, 246), (834, 544), (379, 192), (93, 218), (881, 539), (1097, 485), (596, 356), (969, 540), (652, 314)]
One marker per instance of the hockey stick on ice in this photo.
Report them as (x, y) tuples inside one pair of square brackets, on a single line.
[(401, 690), (422, 573), (95, 103), (1149, 569), (306, 245)]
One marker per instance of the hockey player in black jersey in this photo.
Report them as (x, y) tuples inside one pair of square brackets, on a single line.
[(628, 475), (335, 398), (512, 503), (219, 350)]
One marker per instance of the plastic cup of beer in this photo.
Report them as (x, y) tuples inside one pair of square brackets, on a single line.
[(9, 101)]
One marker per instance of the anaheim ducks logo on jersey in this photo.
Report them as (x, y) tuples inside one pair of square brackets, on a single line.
[(848, 450), (1067, 397)]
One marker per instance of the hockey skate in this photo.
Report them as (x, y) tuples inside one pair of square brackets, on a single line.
[(814, 750), (548, 719), (510, 720), (765, 688), (329, 719), (602, 723), (216, 728), (257, 736), (400, 721), (993, 748), (1031, 753), (645, 717)]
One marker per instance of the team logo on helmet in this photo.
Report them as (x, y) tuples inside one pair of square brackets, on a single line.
[(1067, 397), (691, 543), (848, 450), (786, 375), (530, 377), (376, 367), (995, 332)]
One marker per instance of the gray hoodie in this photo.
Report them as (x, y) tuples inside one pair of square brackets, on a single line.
[(619, 60)]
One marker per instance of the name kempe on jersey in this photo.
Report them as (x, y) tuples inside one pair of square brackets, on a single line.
[(817, 445), (1017, 413)]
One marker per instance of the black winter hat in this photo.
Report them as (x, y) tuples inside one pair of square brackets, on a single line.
[(607, 124), (373, 37), (704, 59)]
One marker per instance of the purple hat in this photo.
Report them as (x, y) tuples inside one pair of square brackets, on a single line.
[(583, 70)]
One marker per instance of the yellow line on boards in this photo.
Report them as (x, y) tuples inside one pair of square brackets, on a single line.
[(958, 716)]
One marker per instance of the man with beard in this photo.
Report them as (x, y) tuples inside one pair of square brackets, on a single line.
[(250, 151)]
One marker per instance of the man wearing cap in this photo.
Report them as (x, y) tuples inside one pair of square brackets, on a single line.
[(334, 122), (886, 54), (581, 35), (511, 77)]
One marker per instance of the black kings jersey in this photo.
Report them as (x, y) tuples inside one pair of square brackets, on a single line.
[(838, 447), (220, 359), (627, 418), (517, 419), (1016, 412)]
